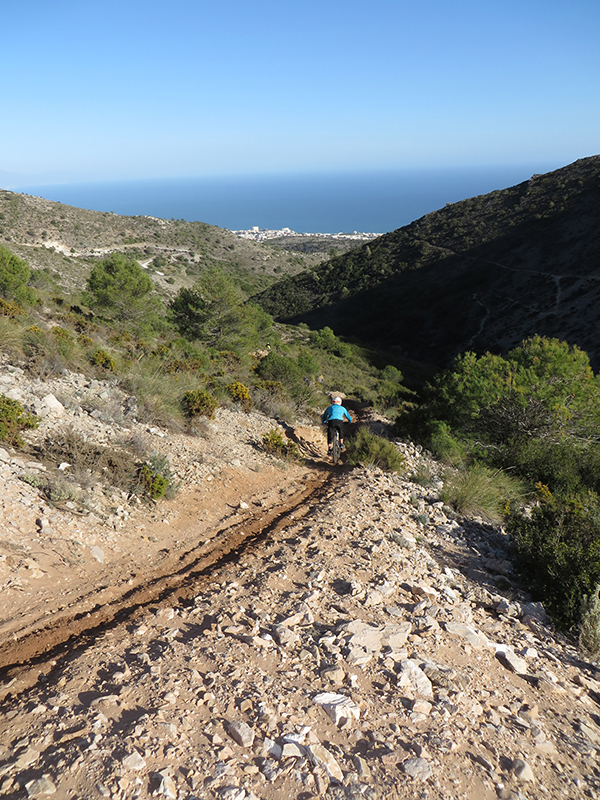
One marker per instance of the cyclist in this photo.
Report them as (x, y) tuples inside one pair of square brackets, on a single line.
[(333, 416)]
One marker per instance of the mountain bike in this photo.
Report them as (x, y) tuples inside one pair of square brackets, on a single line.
[(336, 449)]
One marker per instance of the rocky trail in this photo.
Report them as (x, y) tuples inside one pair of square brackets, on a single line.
[(276, 630)]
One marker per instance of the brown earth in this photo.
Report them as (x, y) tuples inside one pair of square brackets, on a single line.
[(277, 630)]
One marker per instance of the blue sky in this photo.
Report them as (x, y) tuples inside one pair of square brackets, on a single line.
[(118, 90)]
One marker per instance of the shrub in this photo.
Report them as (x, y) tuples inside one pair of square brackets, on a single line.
[(273, 388), (293, 374), (151, 482), (422, 476), (158, 395), (10, 309), (368, 450), (55, 491), (558, 547), (537, 409), (199, 403), (64, 340), (445, 446), (103, 359), (481, 491), (14, 275), (589, 629), (13, 420), (240, 394), (11, 336), (111, 466), (274, 444), (213, 311)]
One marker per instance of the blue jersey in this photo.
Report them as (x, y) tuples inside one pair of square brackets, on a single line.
[(336, 412)]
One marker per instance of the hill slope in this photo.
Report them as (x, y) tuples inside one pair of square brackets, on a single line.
[(479, 274), (66, 240)]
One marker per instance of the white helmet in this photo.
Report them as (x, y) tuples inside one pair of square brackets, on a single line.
[(337, 401)]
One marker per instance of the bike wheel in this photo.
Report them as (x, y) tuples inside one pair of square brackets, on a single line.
[(335, 446)]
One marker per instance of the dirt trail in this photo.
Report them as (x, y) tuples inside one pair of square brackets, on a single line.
[(182, 574)]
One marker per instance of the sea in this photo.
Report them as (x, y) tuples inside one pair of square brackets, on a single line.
[(373, 202)]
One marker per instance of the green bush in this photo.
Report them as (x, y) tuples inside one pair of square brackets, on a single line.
[(240, 394), (213, 311), (368, 450), (275, 444), (152, 483), (103, 359), (14, 275), (445, 446), (199, 403), (274, 388), (11, 309), (13, 420), (537, 409), (64, 341), (558, 546), (293, 373)]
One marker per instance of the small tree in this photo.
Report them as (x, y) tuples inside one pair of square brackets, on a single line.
[(120, 290), (14, 274), (213, 311)]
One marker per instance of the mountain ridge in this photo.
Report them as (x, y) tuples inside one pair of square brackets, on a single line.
[(483, 274)]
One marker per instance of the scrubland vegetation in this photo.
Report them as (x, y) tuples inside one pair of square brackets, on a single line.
[(519, 434), (524, 433), (182, 357)]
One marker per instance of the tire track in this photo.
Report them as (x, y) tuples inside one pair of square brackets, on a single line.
[(39, 650)]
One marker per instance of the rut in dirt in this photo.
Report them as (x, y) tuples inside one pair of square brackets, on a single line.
[(69, 635)]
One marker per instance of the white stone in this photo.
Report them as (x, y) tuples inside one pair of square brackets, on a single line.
[(292, 750), (284, 636), (40, 787), (416, 677), (303, 616), (52, 406), (271, 748), (374, 598), (29, 757), (321, 757), (523, 771), (337, 706), (241, 733), (134, 761), (417, 768), (466, 632), (357, 657), (511, 660)]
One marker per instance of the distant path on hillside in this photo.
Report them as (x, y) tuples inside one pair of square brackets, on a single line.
[(550, 275)]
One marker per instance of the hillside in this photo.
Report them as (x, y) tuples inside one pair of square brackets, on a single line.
[(198, 604), (280, 630), (480, 274), (66, 240)]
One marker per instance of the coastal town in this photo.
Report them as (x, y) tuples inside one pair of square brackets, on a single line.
[(263, 234)]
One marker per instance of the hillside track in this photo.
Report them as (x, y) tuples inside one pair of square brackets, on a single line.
[(38, 650)]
